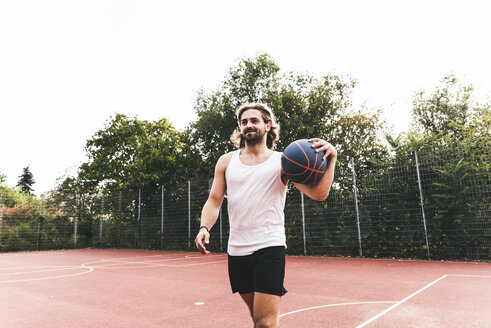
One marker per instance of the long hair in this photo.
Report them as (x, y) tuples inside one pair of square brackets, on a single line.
[(267, 115)]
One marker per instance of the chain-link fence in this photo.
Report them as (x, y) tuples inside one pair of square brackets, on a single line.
[(424, 205)]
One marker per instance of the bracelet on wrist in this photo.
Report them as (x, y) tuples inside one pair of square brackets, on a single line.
[(204, 227)]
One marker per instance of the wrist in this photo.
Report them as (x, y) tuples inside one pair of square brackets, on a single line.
[(204, 227)]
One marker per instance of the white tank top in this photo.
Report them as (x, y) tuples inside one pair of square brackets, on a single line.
[(256, 200)]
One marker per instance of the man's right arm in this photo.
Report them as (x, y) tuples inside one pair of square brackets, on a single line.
[(211, 209)]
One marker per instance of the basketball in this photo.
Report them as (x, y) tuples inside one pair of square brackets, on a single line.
[(301, 163)]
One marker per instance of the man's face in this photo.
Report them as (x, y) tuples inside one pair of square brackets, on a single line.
[(252, 126)]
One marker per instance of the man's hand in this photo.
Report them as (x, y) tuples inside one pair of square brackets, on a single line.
[(202, 239), (322, 145), (320, 190)]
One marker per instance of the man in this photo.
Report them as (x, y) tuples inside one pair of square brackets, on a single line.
[(255, 186)]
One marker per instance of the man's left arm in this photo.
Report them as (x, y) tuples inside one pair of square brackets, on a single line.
[(320, 190)]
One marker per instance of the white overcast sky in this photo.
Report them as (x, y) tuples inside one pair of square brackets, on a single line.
[(67, 66)]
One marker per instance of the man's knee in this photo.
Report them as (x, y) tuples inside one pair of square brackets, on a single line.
[(266, 322), (266, 310)]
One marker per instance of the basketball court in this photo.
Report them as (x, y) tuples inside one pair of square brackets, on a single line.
[(134, 288)]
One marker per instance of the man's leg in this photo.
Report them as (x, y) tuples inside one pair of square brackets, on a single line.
[(266, 310), (268, 273), (249, 300), (263, 272)]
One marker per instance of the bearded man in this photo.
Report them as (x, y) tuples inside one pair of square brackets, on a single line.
[(255, 186)]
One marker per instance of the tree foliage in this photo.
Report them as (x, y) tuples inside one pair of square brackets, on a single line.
[(454, 154), (129, 154), (26, 180), (305, 106), (449, 103), (451, 134), (247, 82)]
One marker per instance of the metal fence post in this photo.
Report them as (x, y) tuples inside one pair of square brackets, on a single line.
[(189, 215), (355, 190), (162, 218), (38, 241), (139, 213), (120, 205), (40, 222), (303, 225), (75, 227), (422, 203), (101, 217)]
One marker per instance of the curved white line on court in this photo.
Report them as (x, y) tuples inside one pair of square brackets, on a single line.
[(27, 267), (61, 268), (333, 305), (30, 253), (90, 269)]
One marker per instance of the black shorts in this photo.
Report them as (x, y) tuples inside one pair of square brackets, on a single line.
[(263, 271)]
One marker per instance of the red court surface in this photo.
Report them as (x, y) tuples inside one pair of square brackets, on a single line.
[(134, 288)]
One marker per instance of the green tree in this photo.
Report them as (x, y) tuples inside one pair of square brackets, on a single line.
[(305, 106), (129, 154), (475, 136), (26, 180), (449, 103), (453, 141), (126, 156), (249, 81)]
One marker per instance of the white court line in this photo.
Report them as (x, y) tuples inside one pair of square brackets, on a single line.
[(332, 305), (384, 302), (26, 267), (30, 253), (400, 302), (131, 257), (117, 258), (468, 276), (54, 277), (139, 257), (152, 263), (42, 266), (141, 265), (163, 260)]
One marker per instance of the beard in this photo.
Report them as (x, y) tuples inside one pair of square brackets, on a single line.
[(254, 139)]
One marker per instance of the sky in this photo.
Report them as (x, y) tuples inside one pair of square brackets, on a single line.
[(66, 67)]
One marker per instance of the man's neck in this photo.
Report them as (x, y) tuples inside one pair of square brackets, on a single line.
[(256, 154), (256, 150)]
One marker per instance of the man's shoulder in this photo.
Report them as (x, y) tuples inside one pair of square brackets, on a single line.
[(278, 154), (227, 156), (224, 160)]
